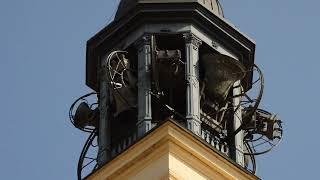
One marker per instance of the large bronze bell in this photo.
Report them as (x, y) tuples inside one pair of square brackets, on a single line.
[(125, 100), (220, 74)]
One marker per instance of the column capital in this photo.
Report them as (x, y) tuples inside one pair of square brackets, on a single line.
[(190, 38), (143, 40)]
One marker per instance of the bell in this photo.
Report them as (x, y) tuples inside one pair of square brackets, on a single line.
[(125, 100), (125, 95), (221, 72), (83, 115)]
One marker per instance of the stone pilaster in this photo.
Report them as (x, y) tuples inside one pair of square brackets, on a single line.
[(238, 139), (144, 84), (193, 87), (104, 140)]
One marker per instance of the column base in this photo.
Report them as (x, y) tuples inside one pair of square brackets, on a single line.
[(194, 126), (143, 127)]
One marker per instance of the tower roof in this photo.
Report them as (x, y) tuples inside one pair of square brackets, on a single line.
[(126, 5), (135, 16)]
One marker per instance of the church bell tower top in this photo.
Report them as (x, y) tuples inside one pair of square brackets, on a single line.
[(126, 5), (170, 69)]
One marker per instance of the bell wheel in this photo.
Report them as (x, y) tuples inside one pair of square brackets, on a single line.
[(117, 65), (88, 161)]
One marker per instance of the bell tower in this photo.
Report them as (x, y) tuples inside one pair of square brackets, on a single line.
[(176, 95)]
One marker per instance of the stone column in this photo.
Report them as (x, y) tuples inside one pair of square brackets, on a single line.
[(238, 139), (144, 85), (104, 140), (193, 87)]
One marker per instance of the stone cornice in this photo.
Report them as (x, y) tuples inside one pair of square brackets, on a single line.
[(192, 13), (169, 148)]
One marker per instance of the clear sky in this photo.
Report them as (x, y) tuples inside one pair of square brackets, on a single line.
[(42, 70)]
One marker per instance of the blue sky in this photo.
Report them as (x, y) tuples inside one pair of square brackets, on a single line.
[(42, 70)]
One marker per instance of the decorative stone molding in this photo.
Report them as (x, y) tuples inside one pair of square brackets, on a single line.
[(190, 38), (144, 40), (171, 152)]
